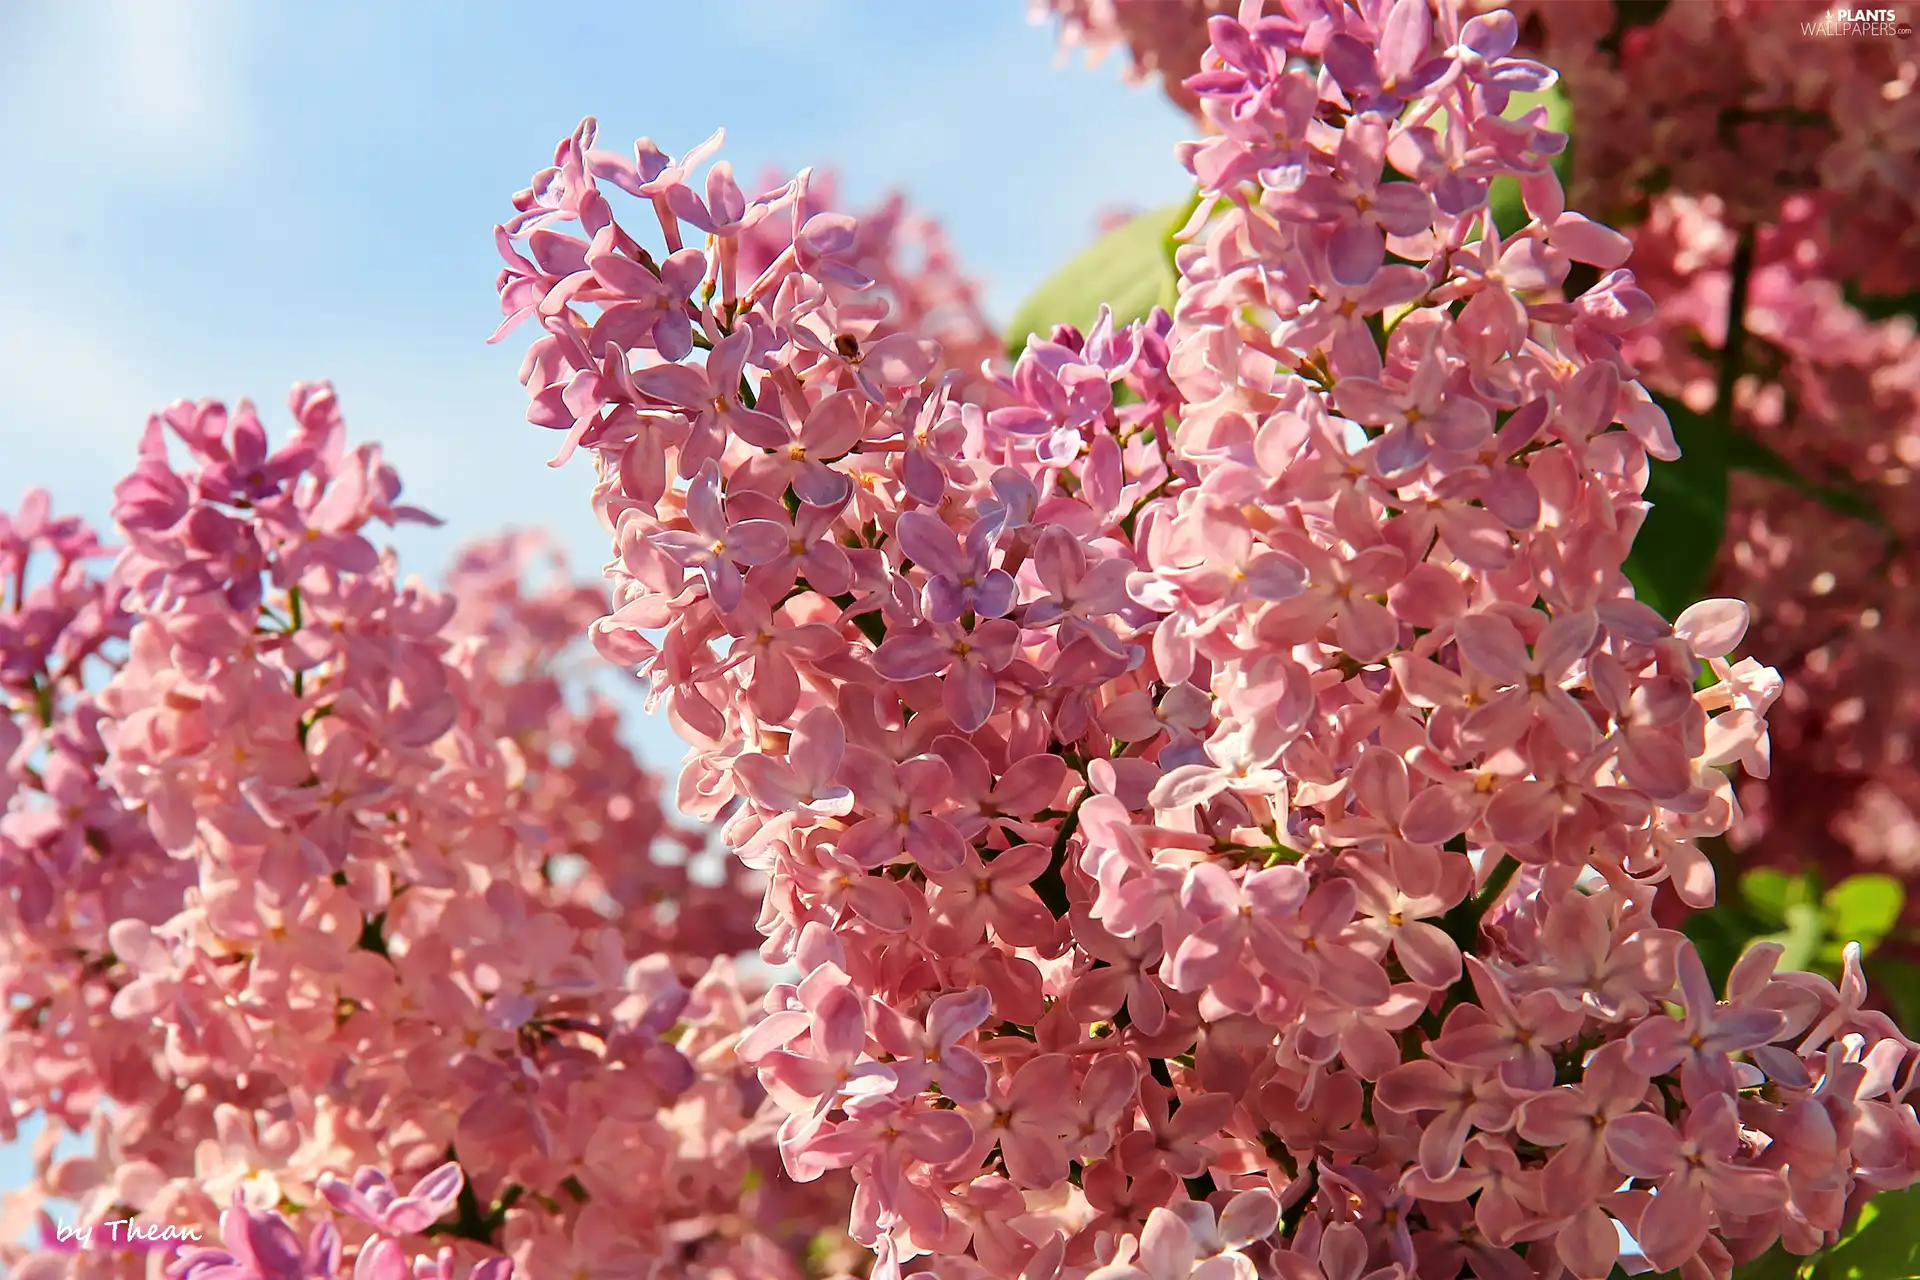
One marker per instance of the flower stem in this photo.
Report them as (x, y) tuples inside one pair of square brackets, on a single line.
[(1733, 349)]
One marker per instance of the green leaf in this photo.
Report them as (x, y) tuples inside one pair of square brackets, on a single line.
[(1813, 926), (1899, 982), (1675, 548), (1777, 1264), (1744, 453), (1722, 933), (1801, 940), (1130, 269), (1770, 893), (1719, 935), (1863, 909), (1884, 306), (1503, 196), (1882, 1244)]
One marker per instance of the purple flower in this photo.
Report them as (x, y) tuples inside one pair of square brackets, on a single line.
[(804, 781), (959, 579), (901, 799), (717, 547), (260, 1246), (968, 660), (373, 1199), (1361, 210), (1380, 81), (1481, 56), (249, 473), (710, 397), (1700, 1042), (798, 457), (930, 1050)]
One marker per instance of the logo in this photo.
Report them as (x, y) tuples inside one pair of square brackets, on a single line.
[(1859, 23)]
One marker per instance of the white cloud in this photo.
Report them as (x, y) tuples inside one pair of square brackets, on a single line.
[(71, 402), (151, 88)]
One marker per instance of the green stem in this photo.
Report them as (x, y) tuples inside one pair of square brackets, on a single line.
[(294, 622), (1733, 350), (871, 624), (469, 1222), (1462, 924), (1050, 886), (373, 935), (1290, 1217)]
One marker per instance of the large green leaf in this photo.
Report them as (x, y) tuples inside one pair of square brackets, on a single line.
[(1130, 269), (1724, 931), (1675, 549), (1811, 923), (1802, 939), (1864, 909), (1777, 1264), (1719, 935), (1899, 982), (1676, 546), (1771, 893), (1882, 1244)]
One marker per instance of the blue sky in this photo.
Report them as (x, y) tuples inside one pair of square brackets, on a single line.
[(218, 199)]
